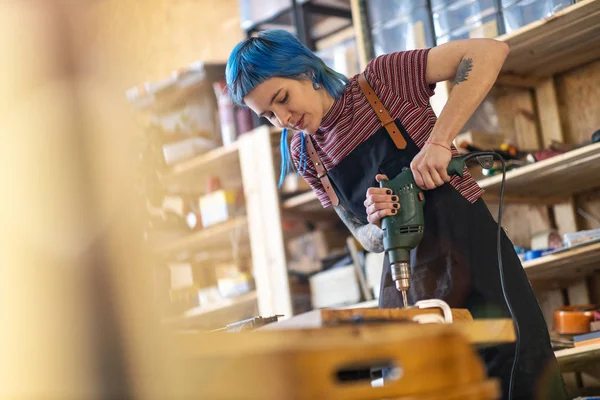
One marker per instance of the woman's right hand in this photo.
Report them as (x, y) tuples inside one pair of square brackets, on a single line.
[(380, 203)]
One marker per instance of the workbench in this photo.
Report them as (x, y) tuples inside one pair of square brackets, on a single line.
[(330, 354)]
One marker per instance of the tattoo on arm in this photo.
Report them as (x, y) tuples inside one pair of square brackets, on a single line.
[(369, 235), (465, 66)]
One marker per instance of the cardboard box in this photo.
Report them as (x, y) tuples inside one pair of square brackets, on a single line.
[(218, 206), (334, 287), (315, 245)]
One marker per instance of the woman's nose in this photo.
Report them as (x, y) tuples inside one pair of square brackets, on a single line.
[(283, 118)]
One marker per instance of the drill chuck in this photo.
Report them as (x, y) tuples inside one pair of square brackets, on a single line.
[(401, 275)]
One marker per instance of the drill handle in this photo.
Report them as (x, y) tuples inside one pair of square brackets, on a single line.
[(456, 166)]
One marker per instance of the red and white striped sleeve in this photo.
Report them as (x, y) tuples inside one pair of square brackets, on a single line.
[(404, 73)]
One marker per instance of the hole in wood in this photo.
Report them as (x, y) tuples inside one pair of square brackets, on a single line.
[(367, 370)]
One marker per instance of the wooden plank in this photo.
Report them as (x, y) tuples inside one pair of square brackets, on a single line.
[(217, 315), (549, 177), (565, 217), (518, 81), (577, 262), (578, 357), (571, 32), (578, 100), (579, 293), (191, 176), (304, 364), (479, 331), (548, 112), (207, 239), (300, 200), (359, 23), (264, 222)]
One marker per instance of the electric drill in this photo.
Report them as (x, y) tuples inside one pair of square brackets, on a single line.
[(403, 232)]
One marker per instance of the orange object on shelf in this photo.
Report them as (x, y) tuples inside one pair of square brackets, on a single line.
[(574, 320)]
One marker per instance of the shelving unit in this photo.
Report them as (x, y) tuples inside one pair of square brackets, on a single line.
[(568, 39), (215, 246), (309, 20), (549, 181), (569, 173), (223, 313), (211, 238), (577, 358), (185, 176), (572, 264)]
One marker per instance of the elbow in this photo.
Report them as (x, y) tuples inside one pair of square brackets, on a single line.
[(503, 48)]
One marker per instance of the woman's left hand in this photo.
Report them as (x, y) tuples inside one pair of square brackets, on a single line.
[(429, 167)]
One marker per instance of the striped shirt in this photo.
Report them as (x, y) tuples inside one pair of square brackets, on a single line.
[(398, 79)]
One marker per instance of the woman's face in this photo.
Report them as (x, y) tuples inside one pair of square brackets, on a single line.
[(290, 103)]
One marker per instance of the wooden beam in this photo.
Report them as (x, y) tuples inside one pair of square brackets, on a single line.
[(548, 112), (518, 81), (264, 223), (359, 31)]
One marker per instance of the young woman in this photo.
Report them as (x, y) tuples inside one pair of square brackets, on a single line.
[(351, 133)]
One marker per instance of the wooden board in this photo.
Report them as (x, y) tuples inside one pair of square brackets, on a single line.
[(579, 96), (304, 364), (566, 40), (264, 221), (480, 332), (191, 176), (549, 181), (578, 358), (217, 236), (217, 315), (568, 265), (552, 180)]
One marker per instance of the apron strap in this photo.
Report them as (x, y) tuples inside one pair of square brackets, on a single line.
[(321, 172), (386, 120)]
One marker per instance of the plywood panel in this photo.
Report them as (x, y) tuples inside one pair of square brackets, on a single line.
[(578, 92), (518, 122), (517, 117)]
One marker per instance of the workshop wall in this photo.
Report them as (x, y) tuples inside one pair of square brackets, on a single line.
[(147, 40), (579, 104)]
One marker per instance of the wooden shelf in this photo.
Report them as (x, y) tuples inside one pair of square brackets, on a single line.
[(549, 181), (214, 237), (220, 314), (190, 176), (578, 358), (302, 202), (566, 40), (577, 263)]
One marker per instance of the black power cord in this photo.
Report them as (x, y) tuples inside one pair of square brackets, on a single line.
[(486, 160)]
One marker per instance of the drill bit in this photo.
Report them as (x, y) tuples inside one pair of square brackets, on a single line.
[(404, 298)]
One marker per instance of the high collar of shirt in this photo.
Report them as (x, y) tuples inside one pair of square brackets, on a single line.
[(333, 114)]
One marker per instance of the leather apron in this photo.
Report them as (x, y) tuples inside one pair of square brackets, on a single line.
[(456, 261)]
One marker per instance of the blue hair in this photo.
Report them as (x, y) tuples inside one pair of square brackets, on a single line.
[(278, 53)]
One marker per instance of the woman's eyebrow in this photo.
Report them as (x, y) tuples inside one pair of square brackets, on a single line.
[(272, 100)]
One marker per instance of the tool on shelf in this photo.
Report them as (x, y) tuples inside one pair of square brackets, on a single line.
[(249, 324)]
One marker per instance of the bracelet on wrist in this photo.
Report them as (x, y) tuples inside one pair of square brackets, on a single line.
[(439, 144)]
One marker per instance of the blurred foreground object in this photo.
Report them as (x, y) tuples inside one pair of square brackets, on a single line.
[(75, 301)]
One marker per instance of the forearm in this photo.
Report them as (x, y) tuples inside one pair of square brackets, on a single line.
[(476, 73), (369, 235)]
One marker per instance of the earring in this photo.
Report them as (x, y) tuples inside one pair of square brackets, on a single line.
[(313, 77)]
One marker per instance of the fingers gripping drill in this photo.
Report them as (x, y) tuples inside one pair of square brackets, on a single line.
[(404, 230)]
